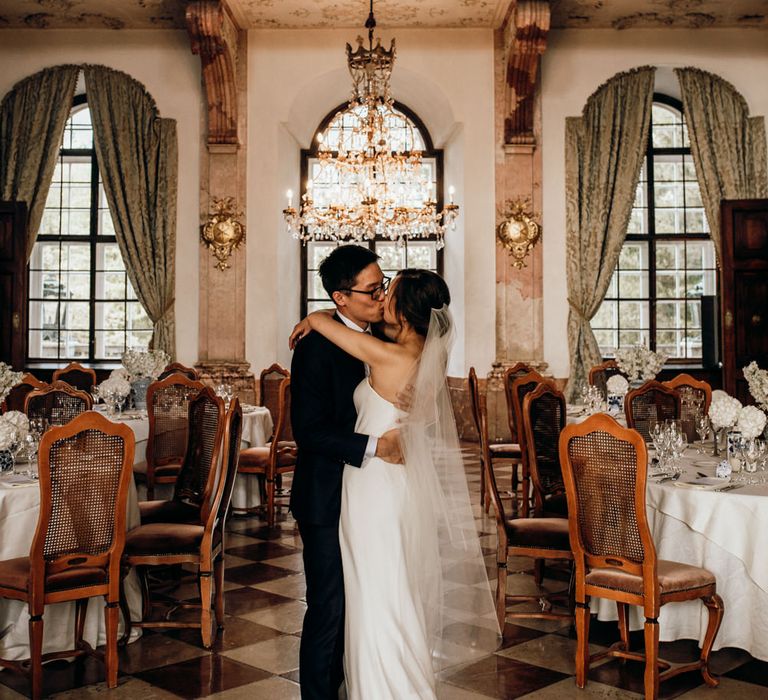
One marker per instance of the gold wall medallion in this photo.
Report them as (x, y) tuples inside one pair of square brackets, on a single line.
[(518, 231), (223, 232)]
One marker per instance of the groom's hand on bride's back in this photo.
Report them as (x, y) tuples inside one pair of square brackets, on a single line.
[(388, 447)]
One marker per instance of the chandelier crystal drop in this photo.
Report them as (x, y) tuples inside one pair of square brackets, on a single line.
[(373, 155)]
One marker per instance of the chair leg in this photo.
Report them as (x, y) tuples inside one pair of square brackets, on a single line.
[(582, 644), (218, 575), (111, 618), (205, 582), (715, 609), (270, 503), (651, 681), (146, 602), (538, 571), (125, 610), (623, 610), (501, 594), (515, 483), (36, 655), (484, 500), (81, 608)]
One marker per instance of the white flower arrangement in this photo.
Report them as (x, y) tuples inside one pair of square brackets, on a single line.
[(144, 363), (751, 422), (120, 373), (724, 411), (617, 385), (14, 427), (8, 379), (117, 386), (638, 362), (757, 379)]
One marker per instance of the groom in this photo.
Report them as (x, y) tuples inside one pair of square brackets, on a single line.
[(323, 379)]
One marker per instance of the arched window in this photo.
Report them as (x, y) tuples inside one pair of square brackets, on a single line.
[(81, 304), (668, 260), (405, 134)]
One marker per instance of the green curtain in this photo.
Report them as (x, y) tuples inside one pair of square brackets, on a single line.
[(138, 161), (727, 145), (604, 152), (32, 119)]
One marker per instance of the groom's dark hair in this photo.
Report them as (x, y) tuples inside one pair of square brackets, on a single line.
[(340, 268)]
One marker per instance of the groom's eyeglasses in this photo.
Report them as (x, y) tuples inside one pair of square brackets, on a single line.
[(375, 293)]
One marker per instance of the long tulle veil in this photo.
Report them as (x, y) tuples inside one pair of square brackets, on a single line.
[(443, 555)]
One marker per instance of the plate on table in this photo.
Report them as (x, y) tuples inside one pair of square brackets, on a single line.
[(707, 463), (575, 410), (705, 483), (249, 408)]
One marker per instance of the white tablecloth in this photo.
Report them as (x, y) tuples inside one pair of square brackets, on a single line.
[(724, 533), (19, 509)]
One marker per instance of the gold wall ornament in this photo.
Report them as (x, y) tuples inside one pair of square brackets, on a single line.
[(518, 231), (223, 232)]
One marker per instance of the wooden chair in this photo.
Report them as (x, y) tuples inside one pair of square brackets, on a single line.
[(276, 458), (650, 403), (178, 368), (57, 403), (168, 414), (543, 421), (205, 482), (507, 450), (538, 538), (600, 374), (74, 374), (85, 471), (605, 470), (521, 386), (701, 391), (16, 397)]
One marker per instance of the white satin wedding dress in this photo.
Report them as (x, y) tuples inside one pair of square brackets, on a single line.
[(387, 651)]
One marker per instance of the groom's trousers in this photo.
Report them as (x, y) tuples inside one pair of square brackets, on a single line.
[(321, 657)]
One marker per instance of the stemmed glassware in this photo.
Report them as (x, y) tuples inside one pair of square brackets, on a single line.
[(225, 392), (702, 430)]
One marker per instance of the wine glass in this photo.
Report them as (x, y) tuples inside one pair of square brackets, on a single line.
[(702, 430)]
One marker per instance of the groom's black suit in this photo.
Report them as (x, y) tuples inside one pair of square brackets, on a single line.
[(323, 379)]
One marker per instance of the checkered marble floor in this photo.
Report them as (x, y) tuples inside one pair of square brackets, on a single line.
[(257, 655)]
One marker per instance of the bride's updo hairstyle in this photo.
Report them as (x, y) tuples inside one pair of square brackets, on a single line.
[(415, 293)]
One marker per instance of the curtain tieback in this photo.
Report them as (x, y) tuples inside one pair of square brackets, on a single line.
[(578, 310)]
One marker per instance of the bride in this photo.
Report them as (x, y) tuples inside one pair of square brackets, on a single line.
[(405, 530)]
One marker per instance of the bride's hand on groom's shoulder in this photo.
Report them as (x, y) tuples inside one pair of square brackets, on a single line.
[(388, 447), (301, 329)]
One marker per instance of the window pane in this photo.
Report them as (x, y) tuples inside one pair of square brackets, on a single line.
[(315, 289), (138, 339), (696, 221), (137, 317), (318, 305), (633, 314), (607, 315), (110, 315), (76, 285), (44, 343), (422, 255), (392, 256), (109, 344), (108, 257), (607, 341), (632, 284), (75, 344), (669, 256), (76, 257), (317, 252), (634, 256), (74, 315), (670, 284), (110, 285), (633, 337), (669, 314)]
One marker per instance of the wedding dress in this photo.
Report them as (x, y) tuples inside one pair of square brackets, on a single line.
[(406, 530)]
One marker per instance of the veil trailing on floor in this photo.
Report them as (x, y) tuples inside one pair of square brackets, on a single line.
[(443, 555)]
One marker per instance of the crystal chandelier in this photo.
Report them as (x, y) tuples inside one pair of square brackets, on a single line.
[(385, 190)]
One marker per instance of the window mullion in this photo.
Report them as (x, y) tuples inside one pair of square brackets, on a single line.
[(93, 230), (651, 247)]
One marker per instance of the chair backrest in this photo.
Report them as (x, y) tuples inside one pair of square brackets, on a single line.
[(168, 414), (269, 388), (510, 375), (485, 459), (604, 469), (178, 368), (695, 397), (217, 508), (600, 374), (74, 374), (522, 386), (282, 431), (85, 469), (543, 421), (16, 397), (57, 403), (473, 386), (206, 428), (650, 403)]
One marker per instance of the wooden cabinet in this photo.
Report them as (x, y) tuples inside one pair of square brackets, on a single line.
[(744, 290), (13, 283)]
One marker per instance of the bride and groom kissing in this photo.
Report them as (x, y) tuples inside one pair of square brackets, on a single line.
[(379, 493)]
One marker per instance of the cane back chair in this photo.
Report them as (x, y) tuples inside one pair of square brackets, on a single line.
[(507, 451), (74, 374), (695, 398), (178, 368), (538, 538), (168, 414), (205, 482), (14, 401), (57, 403), (600, 374), (650, 403), (605, 470), (85, 471), (276, 458)]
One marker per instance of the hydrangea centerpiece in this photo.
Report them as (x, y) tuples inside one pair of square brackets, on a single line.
[(144, 364), (639, 363), (8, 379), (751, 422), (757, 379)]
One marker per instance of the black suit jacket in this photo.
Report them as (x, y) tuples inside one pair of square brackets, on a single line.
[(323, 380)]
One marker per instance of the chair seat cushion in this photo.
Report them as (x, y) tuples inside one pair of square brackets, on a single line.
[(168, 470), (163, 538), (674, 577), (14, 573), (258, 457), (168, 512), (505, 449), (539, 533)]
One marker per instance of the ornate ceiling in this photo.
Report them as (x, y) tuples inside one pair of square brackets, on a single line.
[(616, 14)]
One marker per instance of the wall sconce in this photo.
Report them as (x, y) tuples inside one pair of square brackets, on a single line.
[(223, 232), (518, 232)]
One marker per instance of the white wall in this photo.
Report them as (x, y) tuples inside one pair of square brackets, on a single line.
[(163, 62), (294, 79), (575, 64)]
